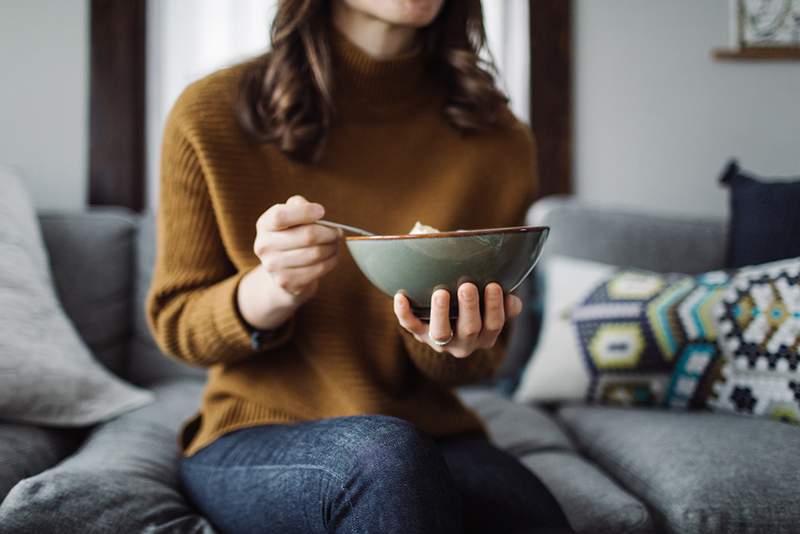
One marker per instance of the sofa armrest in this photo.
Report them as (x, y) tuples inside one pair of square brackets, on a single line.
[(628, 238)]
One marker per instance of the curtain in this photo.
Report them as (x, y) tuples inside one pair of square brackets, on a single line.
[(187, 39), (508, 38)]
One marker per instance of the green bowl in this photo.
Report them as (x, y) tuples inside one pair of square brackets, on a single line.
[(420, 264)]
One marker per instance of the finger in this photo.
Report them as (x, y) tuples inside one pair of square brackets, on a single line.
[(299, 257), (406, 317), (494, 316), (296, 279), (439, 328), (282, 216), (307, 235), (296, 200), (513, 306), (468, 326)]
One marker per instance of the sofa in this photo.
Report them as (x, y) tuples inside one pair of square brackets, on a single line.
[(616, 470)]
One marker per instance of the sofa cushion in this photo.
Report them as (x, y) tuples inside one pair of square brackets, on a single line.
[(764, 218), (91, 258), (26, 450), (514, 427), (699, 473), (47, 374), (592, 502), (124, 477), (147, 363)]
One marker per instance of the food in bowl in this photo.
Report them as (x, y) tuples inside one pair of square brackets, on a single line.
[(420, 228)]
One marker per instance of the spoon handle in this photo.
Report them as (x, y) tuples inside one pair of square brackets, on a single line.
[(345, 227)]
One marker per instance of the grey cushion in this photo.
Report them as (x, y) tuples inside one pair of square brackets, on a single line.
[(630, 239), (123, 479), (26, 450), (514, 427), (147, 362), (47, 374), (91, 257), (592, 502), (699, 473)]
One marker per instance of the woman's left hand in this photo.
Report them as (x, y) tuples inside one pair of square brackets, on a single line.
[(472, 331)]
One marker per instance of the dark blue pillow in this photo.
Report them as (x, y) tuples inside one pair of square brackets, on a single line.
[(764, 218)]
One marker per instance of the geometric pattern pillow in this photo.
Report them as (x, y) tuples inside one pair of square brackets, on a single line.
[(759, 339), (637, 326), (615, 336)]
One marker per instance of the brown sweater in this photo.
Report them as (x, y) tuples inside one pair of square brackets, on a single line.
[(391, 159)]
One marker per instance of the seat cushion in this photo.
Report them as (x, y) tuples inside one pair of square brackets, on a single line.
[(591, 501), (123, 478), (698, 472), (26, 450)]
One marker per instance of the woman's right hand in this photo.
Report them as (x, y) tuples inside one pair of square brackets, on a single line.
[(294, 254)]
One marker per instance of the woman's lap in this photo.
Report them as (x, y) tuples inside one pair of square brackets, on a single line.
[(362, 474)]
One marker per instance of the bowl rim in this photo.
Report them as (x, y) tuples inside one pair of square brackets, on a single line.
[(462, 233)]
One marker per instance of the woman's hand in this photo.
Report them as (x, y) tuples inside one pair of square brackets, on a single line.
[(472, 332), (294, 253)]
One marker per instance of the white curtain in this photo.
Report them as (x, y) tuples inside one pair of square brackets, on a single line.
[(507, 32), (188, 39)]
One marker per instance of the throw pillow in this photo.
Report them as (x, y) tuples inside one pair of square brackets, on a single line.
[(615, 335), (759, 340), (47, 375), (764, 218)]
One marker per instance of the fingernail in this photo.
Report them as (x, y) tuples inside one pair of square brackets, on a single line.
[(319, 211), (440, 297)]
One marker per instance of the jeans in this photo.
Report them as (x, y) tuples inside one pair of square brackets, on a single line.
[(363, 474)]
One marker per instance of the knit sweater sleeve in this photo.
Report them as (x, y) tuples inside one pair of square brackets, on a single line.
[(192, 303), (518, 164)]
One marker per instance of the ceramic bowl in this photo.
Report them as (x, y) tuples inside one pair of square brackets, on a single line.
[(419, 264)]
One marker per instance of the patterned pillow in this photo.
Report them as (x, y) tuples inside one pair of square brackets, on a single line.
[(628, 336), (614, 335), (759, 324)]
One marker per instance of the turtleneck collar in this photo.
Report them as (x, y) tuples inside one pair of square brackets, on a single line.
[(370, 87)]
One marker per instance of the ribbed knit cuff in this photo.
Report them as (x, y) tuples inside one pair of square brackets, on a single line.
[(448, 370), (233, 334)]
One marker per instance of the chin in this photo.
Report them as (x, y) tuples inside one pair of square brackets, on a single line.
[(415, 13)]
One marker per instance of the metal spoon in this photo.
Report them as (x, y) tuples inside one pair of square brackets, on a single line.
[(345, 227)]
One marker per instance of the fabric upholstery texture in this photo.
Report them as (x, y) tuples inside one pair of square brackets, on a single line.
[(26, 450), (47, 374), (592, 502), (619, 236), (122, 479), (91, 257), (699, 473), (764, 219)]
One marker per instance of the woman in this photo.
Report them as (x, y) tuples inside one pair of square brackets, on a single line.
[(327, 408)]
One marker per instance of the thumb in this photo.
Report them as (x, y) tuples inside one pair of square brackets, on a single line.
[(296, 200)]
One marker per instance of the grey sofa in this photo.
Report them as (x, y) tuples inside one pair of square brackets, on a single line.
[(612, 470)]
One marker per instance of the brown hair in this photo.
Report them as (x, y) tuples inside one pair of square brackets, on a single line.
[(286, 95)]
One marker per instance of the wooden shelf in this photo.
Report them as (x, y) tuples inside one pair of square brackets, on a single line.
[(757, 54)]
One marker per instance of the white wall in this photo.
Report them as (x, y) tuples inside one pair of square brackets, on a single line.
[(44, 94), (656, 117)]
